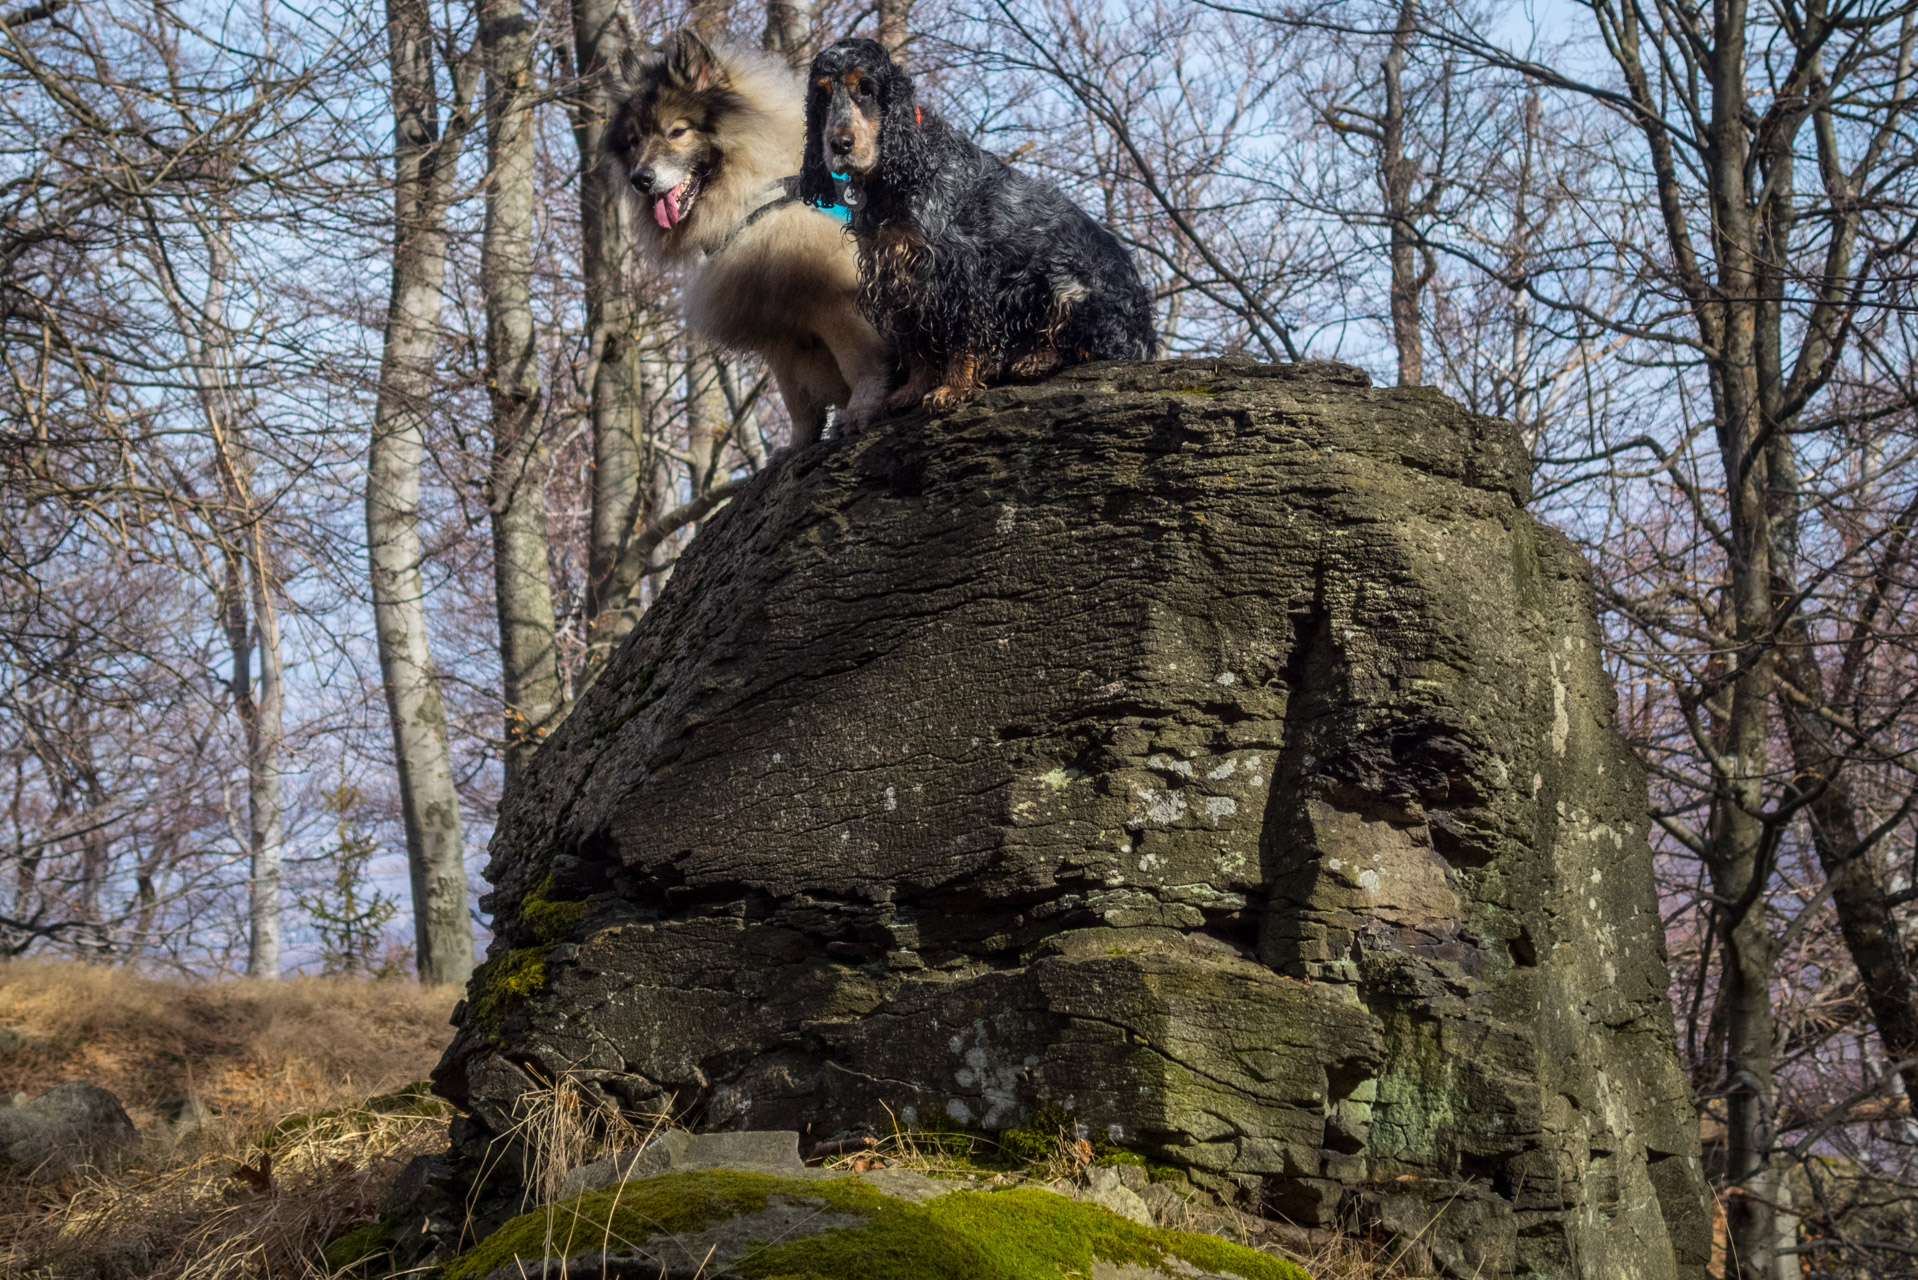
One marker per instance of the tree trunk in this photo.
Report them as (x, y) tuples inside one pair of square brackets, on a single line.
[(615, 313), (250, 622), (424, 164), (789, 31), (516, 487), (1865, 918), (1396, 176), (265, 751), (1737, 698), (247, 609), (894, 17), (707, 420), (1739, 842)]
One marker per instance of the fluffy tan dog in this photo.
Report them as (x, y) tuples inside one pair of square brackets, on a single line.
[(706, 138)]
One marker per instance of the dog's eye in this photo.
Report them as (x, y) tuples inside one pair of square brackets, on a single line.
[(677, 132), (865, 89)]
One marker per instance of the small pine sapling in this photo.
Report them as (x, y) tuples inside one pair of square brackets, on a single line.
[(348, 913)]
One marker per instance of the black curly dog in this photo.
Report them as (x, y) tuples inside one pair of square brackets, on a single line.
[(973, 269)]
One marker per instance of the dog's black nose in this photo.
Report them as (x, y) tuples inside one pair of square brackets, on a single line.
[(643, 178), (842, 144)]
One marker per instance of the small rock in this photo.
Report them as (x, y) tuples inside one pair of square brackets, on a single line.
[(1166, 1203), (64, 1128), (1104, 1188), (770, 1150)]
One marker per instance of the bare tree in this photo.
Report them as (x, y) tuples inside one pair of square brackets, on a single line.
[(248, 605), (425, 164), (1773, 148), (516, 486), (789, 31), (167, 477), (894, 25), (617, 314)]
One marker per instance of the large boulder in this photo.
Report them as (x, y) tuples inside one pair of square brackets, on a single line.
[(1216, 754)]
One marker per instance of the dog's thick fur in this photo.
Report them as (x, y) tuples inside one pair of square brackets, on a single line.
[(973, 269), (703, 137)]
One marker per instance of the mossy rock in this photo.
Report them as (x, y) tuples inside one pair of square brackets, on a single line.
[(1217, 753), (502, 983), (362, 1251), (760, 1227)]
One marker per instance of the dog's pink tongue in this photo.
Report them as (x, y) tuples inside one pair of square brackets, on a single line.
[(666, 208)]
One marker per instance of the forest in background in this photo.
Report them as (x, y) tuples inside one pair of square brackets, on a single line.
[(342, 432)]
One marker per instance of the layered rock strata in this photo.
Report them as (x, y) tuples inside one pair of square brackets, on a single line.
[(1218, 753)]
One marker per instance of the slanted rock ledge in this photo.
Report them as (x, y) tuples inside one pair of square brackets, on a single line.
[(1217, 752)]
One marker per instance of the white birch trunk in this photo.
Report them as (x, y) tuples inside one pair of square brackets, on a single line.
[(423, 173), (516, 487)]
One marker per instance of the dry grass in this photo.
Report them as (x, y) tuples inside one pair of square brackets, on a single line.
[(249, 1050), (247, 1195), (563, 1125)]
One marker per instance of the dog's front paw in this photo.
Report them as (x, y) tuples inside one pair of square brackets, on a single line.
[(941, 398), (1036, 364)]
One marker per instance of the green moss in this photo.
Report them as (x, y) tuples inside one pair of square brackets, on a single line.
[(501, 983), (671, 1204), (1019, 1234), (547, 918), (1035, 1141), (369, 1243)]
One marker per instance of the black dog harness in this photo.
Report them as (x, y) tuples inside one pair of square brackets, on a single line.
[(780, 193)]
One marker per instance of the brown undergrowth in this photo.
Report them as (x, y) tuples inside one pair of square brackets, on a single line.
[(296, 1144)]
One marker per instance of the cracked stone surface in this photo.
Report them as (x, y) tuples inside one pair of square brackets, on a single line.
[(1216, 750)]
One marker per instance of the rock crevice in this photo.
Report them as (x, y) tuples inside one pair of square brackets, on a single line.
[(1215, 751)]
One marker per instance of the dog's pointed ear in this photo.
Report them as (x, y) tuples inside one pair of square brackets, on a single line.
[(691, 62), (636, 62)]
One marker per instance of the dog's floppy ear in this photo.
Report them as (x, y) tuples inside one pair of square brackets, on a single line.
[(690, 61), (816, 186), (902, 140)]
